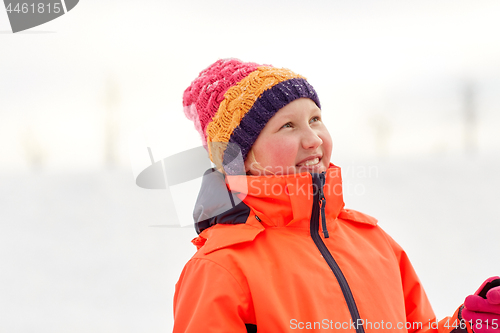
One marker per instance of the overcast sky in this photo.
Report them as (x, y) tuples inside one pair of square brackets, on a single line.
[(390, 74)]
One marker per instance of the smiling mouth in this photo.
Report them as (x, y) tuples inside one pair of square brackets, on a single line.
[(312, 162)]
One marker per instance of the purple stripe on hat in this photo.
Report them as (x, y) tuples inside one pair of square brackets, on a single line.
[(263, 109)]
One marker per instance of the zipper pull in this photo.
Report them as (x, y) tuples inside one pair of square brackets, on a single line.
[(322, 204)]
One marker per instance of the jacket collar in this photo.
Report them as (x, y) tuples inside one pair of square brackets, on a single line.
[(281, 201), (273, 201)]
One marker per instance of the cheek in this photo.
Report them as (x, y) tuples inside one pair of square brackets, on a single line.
[(280, 152), (327, 139), (327, 142)]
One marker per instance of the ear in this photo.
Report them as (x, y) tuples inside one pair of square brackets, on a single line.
[(248, 163), (248, 169)]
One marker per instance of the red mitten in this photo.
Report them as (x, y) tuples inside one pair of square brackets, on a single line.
[(483, 308)]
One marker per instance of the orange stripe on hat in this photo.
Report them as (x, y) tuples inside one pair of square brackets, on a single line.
[(238, 100)]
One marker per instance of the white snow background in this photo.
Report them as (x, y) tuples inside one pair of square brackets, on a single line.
[(83, 249)]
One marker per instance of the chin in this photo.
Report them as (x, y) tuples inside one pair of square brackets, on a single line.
[(314, 168), (322, 169)]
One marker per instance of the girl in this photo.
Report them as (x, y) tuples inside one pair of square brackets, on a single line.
[(287, 255)]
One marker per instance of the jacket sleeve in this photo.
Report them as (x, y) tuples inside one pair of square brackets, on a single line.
[(419, 312), (209, 299)]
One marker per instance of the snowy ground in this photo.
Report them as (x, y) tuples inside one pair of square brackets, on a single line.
[(84, 252)]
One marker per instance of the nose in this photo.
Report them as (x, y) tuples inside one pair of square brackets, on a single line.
[(311, 139)]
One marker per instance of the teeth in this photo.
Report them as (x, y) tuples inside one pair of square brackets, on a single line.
[(310, 162)]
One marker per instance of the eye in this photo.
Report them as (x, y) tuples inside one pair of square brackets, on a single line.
[(287, 125), (315, 119)]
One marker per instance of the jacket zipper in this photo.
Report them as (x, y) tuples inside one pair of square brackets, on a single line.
[(319, 200)]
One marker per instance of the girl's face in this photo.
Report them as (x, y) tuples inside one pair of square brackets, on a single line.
[(294, 140)]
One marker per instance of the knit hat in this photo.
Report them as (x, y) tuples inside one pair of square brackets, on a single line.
[(231, 101)]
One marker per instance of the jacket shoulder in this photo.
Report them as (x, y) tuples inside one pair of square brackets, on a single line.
[(355, 216), (221, 236)]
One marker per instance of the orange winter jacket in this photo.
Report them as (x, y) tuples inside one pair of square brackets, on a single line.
[(290, 258)]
